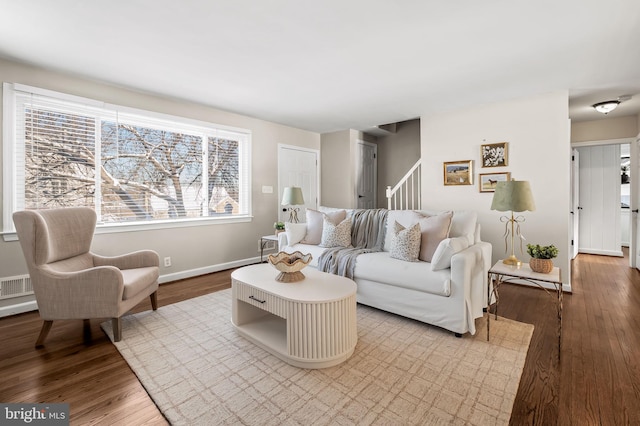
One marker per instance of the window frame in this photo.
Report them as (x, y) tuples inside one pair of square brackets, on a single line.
[(9, 169)]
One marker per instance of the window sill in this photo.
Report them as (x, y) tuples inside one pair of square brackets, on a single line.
[(113, 228)]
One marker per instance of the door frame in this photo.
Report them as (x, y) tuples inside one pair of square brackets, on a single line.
[(280, 188), (635, 181)]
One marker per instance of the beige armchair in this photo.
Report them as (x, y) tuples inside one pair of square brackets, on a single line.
[(69, 281)]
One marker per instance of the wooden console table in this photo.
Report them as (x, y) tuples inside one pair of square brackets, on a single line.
[(501, 273)]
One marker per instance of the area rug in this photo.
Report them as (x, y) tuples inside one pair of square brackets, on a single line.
[(198, 371)]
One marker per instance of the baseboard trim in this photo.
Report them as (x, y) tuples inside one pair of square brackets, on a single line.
[(616, 253), (167, 278), (18, 308)]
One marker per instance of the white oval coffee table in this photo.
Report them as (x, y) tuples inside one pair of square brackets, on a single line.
[(308, 324)]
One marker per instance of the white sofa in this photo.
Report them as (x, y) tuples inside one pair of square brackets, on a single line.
[(451, 297)]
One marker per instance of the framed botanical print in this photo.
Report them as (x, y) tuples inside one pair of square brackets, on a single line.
[(488, 181), (458, 172), (495, 154)]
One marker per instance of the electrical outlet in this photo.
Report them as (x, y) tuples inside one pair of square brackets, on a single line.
[(167, 262)]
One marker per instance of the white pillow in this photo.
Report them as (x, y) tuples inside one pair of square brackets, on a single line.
[(295, 232), (434, 230), (314, 224), (406, 243), (463, 224), (446, 249), (336, 235)]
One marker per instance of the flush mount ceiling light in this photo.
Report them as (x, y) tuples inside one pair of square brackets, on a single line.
[(606, 106)]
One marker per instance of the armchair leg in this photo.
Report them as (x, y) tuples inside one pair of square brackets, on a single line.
[(116, 324), (154, 300), (44, 331), (86, 330)]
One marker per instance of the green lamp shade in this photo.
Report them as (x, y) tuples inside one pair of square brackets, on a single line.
[(514, 195), (292, 196)]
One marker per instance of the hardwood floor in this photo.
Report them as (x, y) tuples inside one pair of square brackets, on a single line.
[(596, 382)]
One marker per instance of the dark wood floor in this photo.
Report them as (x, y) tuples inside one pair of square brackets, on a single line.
[(597, 381)]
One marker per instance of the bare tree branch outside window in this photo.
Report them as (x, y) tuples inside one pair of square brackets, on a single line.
[(144, 173)]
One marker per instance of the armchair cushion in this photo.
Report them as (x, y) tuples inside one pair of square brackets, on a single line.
[(136, 280)]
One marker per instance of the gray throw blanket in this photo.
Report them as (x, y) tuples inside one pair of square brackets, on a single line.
[(367, 235)]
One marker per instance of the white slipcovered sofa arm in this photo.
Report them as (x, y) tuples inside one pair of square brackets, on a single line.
[(469, 274), (282, 241)]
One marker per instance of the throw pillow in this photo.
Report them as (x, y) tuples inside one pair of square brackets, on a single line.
[(406, 242), (445, 251), (295, 232), (336, 235), (314, 224), (434, 229)]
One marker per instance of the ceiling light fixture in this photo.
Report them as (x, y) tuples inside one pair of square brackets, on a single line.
[(606, 107)]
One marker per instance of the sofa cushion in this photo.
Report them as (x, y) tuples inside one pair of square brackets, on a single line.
[(406, 218), (445, 251), (295, 232), (433, 230), (314, 224), (381, 267), (463, 223), (336, 235), (406, 242)]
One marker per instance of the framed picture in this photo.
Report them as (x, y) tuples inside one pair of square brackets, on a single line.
[(488, 181), (495, 154), (458, 172)]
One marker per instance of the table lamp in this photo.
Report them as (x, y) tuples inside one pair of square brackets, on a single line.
[(514, 196), (292, 196)]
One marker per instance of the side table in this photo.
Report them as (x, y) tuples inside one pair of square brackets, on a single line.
[(501, 273), (263, 243)]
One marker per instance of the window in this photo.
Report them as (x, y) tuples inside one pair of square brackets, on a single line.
[(131, 166)]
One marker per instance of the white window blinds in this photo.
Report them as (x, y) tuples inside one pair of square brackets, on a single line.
[(129, 165)]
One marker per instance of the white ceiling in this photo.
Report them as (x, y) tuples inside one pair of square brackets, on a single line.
[(336, 64)]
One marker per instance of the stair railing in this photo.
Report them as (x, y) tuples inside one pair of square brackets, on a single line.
[(406, 195)]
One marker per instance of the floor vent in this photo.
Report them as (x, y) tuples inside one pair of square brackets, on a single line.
[(15, 286)]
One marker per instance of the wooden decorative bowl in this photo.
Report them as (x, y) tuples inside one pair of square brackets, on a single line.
[(290, 265)]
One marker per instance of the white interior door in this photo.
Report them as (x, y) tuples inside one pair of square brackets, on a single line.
[(298, 167), (575, 203), (367, 176), (599, 222)]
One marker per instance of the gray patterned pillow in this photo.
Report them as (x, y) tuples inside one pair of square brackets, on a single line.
[(336, 235), (405, 244)]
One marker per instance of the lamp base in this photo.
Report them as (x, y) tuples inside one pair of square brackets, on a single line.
[(512, 260)]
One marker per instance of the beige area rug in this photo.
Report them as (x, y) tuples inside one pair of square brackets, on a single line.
[(199, 371)]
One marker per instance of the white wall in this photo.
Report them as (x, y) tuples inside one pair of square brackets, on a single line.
[(196, 248), (338, 167), (397, 153), (605, 129), (537, 129)]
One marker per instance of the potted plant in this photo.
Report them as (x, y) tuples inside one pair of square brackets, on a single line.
[(279, 227), (541, 257)]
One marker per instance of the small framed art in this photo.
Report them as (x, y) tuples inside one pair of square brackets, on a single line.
[(488, 181), (458, 172), (495, 154)]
